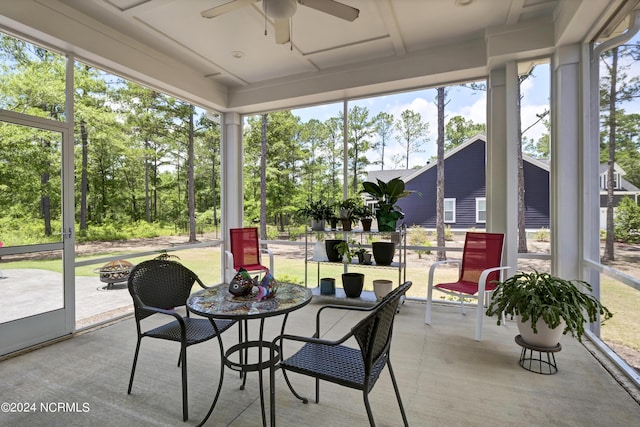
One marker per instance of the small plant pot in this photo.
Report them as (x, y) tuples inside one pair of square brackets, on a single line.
[(382, 287), (383, 252), (327, 286), (332, 252), (346, 224), (352, 283), (364, 258), (334, 223), (317, 224), (366, 224)]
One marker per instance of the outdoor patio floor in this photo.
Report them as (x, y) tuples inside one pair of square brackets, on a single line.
[(445, 378)]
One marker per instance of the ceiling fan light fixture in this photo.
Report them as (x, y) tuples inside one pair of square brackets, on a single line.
[(279, 9), (463, 2)]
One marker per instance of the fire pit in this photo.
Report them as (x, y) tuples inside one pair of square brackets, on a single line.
[(114, 272)]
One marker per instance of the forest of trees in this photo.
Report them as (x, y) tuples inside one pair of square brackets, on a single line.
[(144, 157)]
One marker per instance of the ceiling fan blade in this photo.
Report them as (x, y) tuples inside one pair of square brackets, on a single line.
[(332, 7), (225, 8), (282, 30)]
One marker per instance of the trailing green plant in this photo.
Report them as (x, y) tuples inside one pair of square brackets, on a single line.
[(535, 296)]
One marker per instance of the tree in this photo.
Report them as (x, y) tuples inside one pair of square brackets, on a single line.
[(441, 100), (458, 130), (412, 133), (384, 128), (360, 130), (284, 155), (616, 88), (522, 218), (263, 176)]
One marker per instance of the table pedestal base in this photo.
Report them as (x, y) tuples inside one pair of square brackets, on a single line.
[(545, 365)]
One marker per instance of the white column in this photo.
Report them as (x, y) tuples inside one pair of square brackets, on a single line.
[(231, 183), (501, 168), (567, 185)]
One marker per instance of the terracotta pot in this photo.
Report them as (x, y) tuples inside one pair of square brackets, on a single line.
[(366, 224)]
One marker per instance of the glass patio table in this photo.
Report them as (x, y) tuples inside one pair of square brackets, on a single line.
[(217, 302)]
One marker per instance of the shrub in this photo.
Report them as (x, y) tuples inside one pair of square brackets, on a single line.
[(418, 236), (627, 221), (542, 235)]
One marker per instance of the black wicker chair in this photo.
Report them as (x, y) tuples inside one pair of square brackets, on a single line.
[(159, 286), (356, 368)]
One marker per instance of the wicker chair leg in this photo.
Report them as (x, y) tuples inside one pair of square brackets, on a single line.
[(133, 367), (293, 391), (365, 394), (395, 388), (185, 401)]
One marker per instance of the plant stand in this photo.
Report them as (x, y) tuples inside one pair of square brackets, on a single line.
[(538, 364)]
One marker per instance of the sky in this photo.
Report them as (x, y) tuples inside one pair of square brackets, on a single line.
[(463, 102)]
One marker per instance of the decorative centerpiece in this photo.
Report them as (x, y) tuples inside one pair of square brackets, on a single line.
[(243, 285)]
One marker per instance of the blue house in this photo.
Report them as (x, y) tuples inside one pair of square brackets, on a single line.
[(465, 191)]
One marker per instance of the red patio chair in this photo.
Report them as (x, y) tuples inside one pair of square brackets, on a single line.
[(245, 251), (479, 268)]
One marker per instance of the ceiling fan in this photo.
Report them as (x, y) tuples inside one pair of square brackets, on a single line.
[(282, 10)]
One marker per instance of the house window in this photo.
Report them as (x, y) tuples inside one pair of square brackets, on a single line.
[(449, 210), (604, 179), (481, 209)]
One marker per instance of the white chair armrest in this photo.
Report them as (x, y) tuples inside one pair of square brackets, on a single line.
[(482, 285), (270, 253), (439, 263), (228, 269)]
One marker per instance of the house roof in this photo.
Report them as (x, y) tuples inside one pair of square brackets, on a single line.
[(626, 185), (409, 174)]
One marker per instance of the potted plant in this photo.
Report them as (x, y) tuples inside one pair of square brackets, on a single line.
[(559, 303), (364, 256), (344, 251), (349, 209), (318, 211), (387, 194), (366, 216)]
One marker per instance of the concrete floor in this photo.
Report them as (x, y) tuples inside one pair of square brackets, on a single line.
[(94, 303), (445, 378)]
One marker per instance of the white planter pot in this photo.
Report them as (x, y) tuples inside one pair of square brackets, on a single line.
[(546, 337), (382, 287), (320, 252)]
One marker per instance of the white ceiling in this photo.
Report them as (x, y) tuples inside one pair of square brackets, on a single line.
[(392, 45)]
